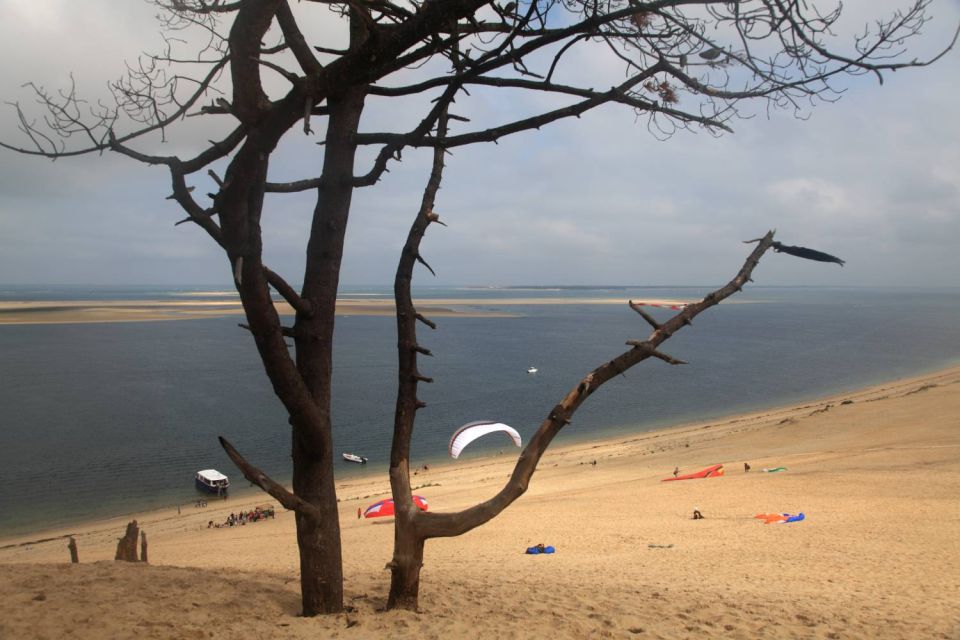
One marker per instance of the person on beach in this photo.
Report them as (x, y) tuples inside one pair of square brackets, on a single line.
[(359, 512), (746, 467), (696, 514), (676, 470)]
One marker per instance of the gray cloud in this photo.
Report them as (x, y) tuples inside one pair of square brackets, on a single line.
[(874, 178)]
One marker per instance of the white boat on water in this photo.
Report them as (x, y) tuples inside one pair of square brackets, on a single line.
[(349, 457), (212, 481), (532, 369)]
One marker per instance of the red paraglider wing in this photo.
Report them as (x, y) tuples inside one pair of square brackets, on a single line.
[(386, 508), (709, 472)]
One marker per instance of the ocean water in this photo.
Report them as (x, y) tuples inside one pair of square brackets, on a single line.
[(107, 419)]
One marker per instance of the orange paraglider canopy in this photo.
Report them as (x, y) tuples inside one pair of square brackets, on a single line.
[(709, 472)]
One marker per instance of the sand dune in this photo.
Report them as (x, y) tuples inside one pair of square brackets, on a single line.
[(877, 474)]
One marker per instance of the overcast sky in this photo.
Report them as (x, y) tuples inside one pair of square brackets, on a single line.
[(874, 179)]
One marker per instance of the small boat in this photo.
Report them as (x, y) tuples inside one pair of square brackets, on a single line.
[(531, 369), (349, 457), (212, 481)]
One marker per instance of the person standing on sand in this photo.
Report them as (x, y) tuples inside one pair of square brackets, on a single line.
[(746, 467), (676, 470), (359, 512)]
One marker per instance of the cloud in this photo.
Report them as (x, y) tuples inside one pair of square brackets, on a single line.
[(874, 178)]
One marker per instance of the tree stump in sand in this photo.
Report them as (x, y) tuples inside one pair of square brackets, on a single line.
[(74, 555), (127, 545), (143, 546)]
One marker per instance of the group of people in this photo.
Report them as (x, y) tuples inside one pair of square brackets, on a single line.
[(243, 517)]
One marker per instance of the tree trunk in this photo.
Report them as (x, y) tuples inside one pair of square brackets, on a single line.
[(321, 566), (405, 569)]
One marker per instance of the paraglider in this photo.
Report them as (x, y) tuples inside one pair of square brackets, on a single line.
[(779, 518), (387, 508), (710, 472), (473, 430)]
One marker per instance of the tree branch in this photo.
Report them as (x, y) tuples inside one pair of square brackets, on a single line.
[(262, 480), (251, 24), (289, 294), (407, 317), (431, 525), (298, 44)]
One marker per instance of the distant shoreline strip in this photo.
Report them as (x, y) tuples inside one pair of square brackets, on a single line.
[(97, 311)]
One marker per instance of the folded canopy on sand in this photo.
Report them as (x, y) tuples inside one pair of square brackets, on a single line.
[(779, 518), (537, 550), (709, 472)]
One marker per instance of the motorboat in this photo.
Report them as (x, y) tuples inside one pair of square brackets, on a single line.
[(532, 369), (349, 457), (212, 481)]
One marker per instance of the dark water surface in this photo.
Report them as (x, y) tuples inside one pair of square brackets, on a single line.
[(106, 419)]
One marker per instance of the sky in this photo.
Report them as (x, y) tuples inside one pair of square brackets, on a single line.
[(873, 178)]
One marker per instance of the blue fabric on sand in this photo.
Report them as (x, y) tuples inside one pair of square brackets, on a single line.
[(535, 551)]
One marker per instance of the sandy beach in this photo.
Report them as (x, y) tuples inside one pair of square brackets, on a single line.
[(876, 473), (88, 311)]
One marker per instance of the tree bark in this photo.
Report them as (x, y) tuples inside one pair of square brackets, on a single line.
[(321, 571), (405, 566), (408, 543)]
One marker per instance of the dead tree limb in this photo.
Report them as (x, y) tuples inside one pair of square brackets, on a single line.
[(452, 524), (412, 526), (408, 550), (262, 480)]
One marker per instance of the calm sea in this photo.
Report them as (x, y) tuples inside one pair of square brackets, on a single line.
[(108, 419)]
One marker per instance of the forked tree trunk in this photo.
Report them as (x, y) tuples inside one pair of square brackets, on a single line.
[(412, 527)]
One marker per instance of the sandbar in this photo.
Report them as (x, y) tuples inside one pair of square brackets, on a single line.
[(226, 304)]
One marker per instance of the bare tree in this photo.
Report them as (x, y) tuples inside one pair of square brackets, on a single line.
[(680, 63)]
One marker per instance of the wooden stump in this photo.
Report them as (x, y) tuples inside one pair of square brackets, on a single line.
[(74, 555), (143, 546), (127, 545)]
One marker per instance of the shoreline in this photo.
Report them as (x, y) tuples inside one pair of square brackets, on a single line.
[(378, 482)]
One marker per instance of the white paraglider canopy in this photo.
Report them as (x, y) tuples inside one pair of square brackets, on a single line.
[(473, 430)]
